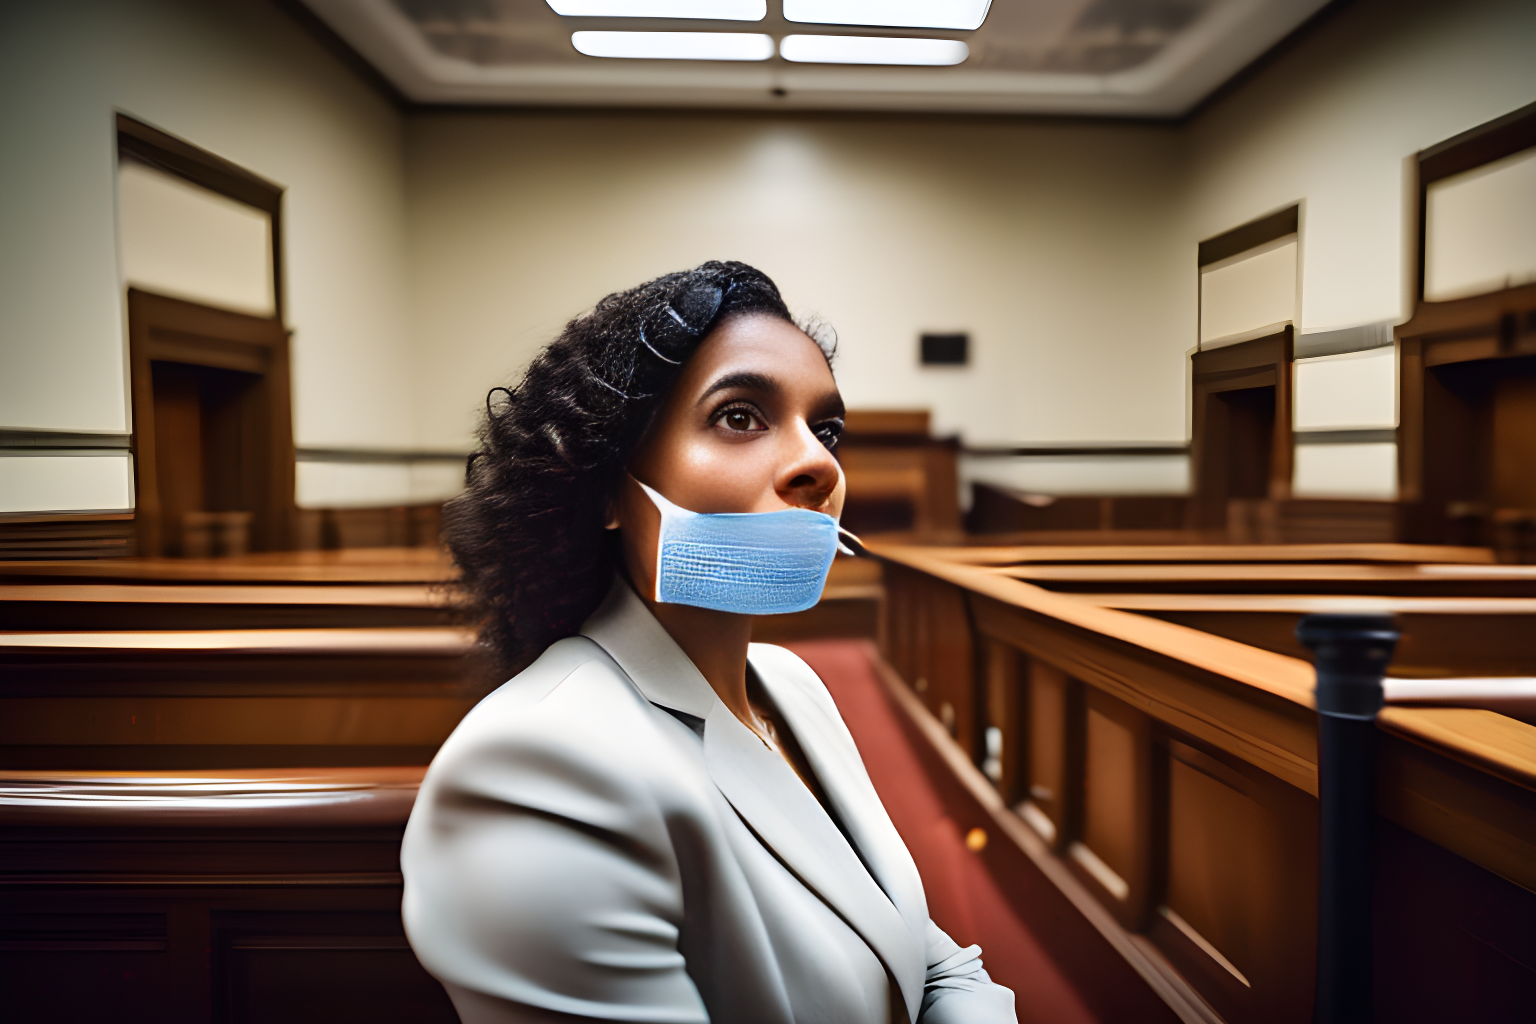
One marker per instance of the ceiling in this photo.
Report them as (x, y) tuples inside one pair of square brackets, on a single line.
[(1121, 58)]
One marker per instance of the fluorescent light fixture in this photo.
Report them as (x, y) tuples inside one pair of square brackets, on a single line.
[(709, 10), (872, 50), (675, 45), (958, 14)]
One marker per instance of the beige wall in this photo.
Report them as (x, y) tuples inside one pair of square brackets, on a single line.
[(1054, 244), (1333, 124), (428, 257), (243, 80)]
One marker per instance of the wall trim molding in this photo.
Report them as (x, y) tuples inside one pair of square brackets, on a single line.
[(376, 455), (1379, 435), (1361, 338), (1075, 449), (27, 441)]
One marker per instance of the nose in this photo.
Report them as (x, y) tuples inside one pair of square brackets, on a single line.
[(808, 476)]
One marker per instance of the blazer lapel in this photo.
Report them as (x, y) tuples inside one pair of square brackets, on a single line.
[(835, 758), (890, 916), (768, 795)]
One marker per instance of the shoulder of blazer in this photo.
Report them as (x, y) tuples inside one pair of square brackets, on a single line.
[(570, 721)]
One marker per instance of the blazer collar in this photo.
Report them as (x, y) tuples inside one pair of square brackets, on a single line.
[(625, 628)]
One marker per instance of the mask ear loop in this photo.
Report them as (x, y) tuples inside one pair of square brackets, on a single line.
[(663, 506), (848, 542)]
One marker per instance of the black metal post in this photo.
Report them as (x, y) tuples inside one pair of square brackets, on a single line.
[(1352, 652)]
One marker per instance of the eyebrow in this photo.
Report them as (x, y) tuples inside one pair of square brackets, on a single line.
[(750, 380)]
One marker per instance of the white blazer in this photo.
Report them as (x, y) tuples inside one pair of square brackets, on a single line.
[(602, 837)]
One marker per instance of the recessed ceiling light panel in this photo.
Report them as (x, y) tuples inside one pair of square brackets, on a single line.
[(708, 10), (872, 50), (674, 45), (956, 14)]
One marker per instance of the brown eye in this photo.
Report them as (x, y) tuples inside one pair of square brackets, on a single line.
[(741, 420)]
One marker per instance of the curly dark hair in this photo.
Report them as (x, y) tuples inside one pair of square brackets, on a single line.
[(528, 531)]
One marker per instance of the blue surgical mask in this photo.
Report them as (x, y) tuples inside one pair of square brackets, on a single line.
[(750, 563)]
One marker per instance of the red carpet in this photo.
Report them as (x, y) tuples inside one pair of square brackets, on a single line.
[(963, 899)]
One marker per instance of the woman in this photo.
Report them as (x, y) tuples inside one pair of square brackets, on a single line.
[(657, 820)]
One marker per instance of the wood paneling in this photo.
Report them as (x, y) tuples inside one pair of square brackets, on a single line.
[(1008, 712), (220, 896), (1453, 942), (928, 630), (1120, 976), (67, 535), (1172, 769), (994, 510), (1310, 521), (1116, 830), (1468, 411), (1239, 906), (1052, 743), (900, 480)]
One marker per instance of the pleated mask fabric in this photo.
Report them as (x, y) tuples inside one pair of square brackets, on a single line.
[(750, 563)]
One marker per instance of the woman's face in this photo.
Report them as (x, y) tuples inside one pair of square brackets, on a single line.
[(736, 434)]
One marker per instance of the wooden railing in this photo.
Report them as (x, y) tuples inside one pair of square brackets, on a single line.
[(1169, 771)]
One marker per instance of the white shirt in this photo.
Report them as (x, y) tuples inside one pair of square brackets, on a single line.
[(602, 837)]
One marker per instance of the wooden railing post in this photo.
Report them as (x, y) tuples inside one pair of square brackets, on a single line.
[(1352, 652)]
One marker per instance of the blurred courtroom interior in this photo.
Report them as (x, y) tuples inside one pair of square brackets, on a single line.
[(1162, 323)]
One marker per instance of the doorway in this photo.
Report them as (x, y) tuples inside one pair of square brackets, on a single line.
[(213, 434), (1241, 445)]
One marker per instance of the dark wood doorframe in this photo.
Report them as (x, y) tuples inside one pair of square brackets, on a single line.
[(167, 330), (1261, 364), (165, 152), (1501, 137), (1452, 353)]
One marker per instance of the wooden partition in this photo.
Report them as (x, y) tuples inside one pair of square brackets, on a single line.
[(205, 769), (901, 480), (1467, 457), (1158, 746), (258, 896)]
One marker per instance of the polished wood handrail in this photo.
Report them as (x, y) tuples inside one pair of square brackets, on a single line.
[(1270, 572), (429, 640), (1185, 554), (252, 798), (368, 595), (349, 565), (1488, 740)]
